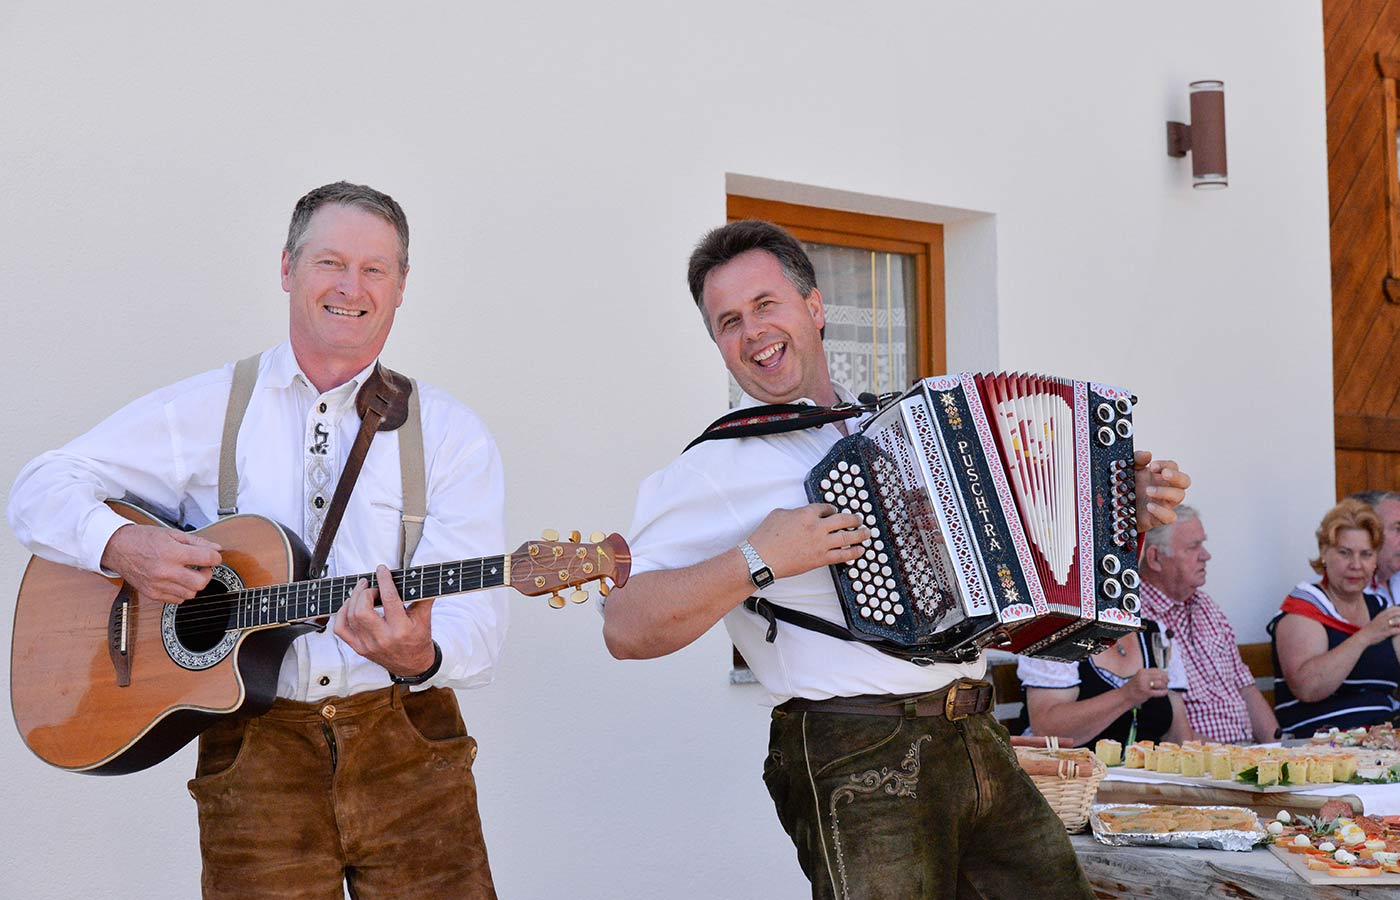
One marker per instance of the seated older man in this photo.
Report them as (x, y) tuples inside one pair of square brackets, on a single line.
[(1386, 584), (1221, 699)]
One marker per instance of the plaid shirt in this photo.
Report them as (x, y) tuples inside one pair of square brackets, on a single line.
[(1214, 670)]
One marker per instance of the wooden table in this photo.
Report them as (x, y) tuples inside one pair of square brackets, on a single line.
[(1165, 873)]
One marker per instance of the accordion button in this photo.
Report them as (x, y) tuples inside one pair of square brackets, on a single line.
[(885, 571), (1112, 589), (882, 559), (869, 519), (865, 612), (874, 532), (879, 545), (1130, 578), (853, 572), (894, 595), (860, 482), (1131, 604), (887, 606), (855, 470), (1124, 428), (1104, 412), (843, 466), (1124, 405), (826, 484), (833, 474), (1110, 564), (899, 609), (1106, 436)]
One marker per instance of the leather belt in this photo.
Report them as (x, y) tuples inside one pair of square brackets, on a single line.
[(964, 697)]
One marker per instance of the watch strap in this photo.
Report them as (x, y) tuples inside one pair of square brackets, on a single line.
[(423, 676), (759, 571)]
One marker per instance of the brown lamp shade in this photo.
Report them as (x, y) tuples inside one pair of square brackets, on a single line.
[(1204, 138)]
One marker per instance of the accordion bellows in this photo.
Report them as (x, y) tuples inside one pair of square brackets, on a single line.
[(1002, 514)]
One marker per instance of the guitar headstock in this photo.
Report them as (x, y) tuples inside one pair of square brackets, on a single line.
[(550, 565)]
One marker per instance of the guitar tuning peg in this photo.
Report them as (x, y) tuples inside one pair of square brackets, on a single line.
[(579, 596), (575, 537), (550, 534), (603, 588), (556, 601), (596, 537)]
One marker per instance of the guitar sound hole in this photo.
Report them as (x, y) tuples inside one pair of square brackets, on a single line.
[(202, 622)]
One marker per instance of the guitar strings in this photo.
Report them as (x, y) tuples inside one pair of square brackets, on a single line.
[(224, 603)]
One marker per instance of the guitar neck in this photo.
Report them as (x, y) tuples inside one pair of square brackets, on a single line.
[(303, 601)]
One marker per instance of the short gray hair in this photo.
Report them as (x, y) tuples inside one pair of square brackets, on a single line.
[(1161, 536), (344, 193), (1374, 498)]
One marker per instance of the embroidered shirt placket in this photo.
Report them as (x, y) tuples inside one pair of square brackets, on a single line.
[(322, 463)]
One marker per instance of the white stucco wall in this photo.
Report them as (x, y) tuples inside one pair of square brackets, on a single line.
[(557, 162)]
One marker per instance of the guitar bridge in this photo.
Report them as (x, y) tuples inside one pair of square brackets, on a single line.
[(120, 626)]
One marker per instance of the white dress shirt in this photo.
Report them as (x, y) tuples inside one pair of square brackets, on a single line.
[(709, 500), (164, 450)]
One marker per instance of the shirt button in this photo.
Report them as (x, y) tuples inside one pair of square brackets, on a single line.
[(322, 407), (319, 502), (325, 680)]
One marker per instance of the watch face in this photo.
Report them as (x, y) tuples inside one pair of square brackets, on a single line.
[(762, 577)]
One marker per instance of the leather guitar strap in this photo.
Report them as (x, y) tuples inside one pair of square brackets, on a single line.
[(411, 459), (383, 406)]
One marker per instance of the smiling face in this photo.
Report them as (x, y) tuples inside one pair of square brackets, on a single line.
[(345, 287), (767, 332), (1350, 562)]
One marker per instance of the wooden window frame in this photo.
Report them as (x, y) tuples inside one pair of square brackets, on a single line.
[(883, 234)]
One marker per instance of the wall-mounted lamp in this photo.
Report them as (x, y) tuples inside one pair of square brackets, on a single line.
[(1204, 138)]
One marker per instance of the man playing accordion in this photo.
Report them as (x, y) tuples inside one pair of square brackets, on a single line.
[(892, 779)]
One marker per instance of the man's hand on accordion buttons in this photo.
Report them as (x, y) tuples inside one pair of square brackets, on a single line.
[(1160, 486), (793, 541)]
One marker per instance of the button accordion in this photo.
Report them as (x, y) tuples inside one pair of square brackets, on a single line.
[(1002, 514)]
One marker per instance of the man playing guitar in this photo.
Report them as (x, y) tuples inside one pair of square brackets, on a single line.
[(361, 770)]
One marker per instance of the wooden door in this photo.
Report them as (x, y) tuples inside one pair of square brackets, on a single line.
[(1362, 41)]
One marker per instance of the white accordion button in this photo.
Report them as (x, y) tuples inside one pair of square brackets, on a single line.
[(855, 470), (899, 609), (843, 466), (860, 482), (865, 612)]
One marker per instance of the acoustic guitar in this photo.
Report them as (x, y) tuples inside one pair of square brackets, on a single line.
[(105, 681)]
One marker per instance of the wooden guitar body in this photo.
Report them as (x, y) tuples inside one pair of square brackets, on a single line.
[(94, 679)]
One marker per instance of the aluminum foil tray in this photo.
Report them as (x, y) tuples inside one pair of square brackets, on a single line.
[(1222, 839)]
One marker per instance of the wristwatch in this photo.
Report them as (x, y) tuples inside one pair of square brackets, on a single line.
[(759, 573), (424, 676)]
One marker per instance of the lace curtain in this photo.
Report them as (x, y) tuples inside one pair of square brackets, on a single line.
[(869, 299)]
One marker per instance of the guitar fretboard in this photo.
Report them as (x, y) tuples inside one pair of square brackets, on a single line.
[(304, 600)]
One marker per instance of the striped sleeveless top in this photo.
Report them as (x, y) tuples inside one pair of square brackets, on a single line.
[(1365, 697)]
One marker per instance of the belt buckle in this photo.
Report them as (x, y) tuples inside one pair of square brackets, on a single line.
[(963, 684), (950, 702)]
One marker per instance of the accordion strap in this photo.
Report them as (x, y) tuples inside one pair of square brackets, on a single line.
[(777, 418), (773, 614)]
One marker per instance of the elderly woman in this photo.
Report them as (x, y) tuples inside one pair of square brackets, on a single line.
[(1336, 644), (1127, 692)]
